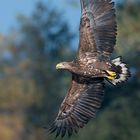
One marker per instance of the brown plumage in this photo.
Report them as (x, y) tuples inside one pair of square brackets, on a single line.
[(91, 67), (97, 27), (79, 106)]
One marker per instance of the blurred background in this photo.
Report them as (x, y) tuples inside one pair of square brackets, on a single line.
[(37, 34)]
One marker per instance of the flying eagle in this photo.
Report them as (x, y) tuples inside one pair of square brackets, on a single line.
[(91, 67)]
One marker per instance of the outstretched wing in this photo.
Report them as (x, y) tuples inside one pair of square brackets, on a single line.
[(79, 106), (97, 27)]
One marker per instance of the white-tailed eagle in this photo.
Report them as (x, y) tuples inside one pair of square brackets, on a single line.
[(91, 67)]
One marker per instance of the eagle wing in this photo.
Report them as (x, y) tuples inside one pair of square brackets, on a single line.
[(97, 28), (79, 106)]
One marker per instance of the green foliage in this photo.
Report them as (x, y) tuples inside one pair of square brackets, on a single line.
[(32, 90), (45, 41)]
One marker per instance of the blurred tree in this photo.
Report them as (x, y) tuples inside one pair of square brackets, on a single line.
[(44, 40), (45, 37), (36, 88), (31, 89)]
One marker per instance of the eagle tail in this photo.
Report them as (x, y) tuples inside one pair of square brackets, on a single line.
[(122, 71)]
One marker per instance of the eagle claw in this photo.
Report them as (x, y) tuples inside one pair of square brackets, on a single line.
[(111, 75)]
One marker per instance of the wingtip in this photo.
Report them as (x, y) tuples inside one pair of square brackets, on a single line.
[(82, 5), (52, 128), (59, 130)]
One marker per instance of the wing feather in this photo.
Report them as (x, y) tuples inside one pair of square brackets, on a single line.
[(97, 28), (79, 106)]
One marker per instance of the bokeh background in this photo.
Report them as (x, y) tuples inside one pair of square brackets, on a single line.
[(37, 34)]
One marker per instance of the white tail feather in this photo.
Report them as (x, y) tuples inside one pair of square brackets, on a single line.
[(123, 72)]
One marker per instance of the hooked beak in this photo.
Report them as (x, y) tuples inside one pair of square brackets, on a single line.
[(59, 66)]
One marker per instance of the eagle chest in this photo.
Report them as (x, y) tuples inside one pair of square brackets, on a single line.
[(91, 63), (93, 66)]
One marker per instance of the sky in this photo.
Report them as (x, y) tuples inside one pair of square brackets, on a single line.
[(10, 9)]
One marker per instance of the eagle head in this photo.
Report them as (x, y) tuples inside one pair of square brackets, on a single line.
[(65, 65)]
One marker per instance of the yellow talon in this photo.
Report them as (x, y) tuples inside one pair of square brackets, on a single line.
[(111, 75)]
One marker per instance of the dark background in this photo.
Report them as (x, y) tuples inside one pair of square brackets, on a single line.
[(31, 89)]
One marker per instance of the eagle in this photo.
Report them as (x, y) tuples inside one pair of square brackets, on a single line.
[(92, 66)]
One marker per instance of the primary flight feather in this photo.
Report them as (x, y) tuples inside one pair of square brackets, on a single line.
[(90, 68)]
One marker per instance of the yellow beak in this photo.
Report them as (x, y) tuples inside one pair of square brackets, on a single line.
[(59, 66)]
